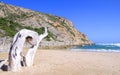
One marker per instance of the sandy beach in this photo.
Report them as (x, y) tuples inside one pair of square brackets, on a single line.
[(64, 62)]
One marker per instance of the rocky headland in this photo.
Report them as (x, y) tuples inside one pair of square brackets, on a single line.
[(61, 32)]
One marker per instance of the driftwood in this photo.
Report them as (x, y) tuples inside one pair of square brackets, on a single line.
[(29, 57), (3, 62), (15, 57)]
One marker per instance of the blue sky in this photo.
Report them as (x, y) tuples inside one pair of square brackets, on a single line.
[(98, 19)]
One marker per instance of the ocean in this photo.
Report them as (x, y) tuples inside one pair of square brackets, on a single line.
[(99, 47)]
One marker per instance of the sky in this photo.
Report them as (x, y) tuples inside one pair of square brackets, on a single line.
[(98, 19)]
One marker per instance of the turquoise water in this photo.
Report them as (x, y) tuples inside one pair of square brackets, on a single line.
[(103, 47)]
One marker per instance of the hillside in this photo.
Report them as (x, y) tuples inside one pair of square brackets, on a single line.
[(61, 31)]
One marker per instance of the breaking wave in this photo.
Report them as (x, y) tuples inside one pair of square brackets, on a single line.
[(111, 44), (100, 47)]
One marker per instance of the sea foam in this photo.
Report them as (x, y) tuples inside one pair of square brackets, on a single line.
[(99, 47)]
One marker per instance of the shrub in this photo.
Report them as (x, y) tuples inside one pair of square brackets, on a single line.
[(11, 28)]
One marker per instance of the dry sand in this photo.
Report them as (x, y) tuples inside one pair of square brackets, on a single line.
[(59, 62)]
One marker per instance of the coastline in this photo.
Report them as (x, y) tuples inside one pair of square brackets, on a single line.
[(65, 62), (64, 46)]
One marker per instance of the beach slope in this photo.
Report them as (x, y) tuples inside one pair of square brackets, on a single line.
[(64, 62)]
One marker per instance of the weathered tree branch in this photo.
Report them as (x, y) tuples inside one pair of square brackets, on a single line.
[(31, 52), (14, 58)]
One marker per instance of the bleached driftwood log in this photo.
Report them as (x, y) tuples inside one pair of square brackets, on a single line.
[(19, 39), (29, 57)]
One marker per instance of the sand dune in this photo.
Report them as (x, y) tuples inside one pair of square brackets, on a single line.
[(60, 62)]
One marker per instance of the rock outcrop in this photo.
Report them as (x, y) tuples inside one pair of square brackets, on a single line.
[(61, 31)]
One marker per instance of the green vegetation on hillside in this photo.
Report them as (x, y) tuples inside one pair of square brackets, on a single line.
[(83, 39), (10, 28), (68, 28), (52, 18)]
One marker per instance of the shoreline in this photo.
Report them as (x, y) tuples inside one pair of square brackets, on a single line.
[(7, 47), (95, 50), (75, 50), (65, 46), (65, 62)]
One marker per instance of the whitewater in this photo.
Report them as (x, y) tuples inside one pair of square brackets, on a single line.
[(99, 47)]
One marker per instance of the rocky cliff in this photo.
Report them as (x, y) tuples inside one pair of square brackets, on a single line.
[(61, 31)]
